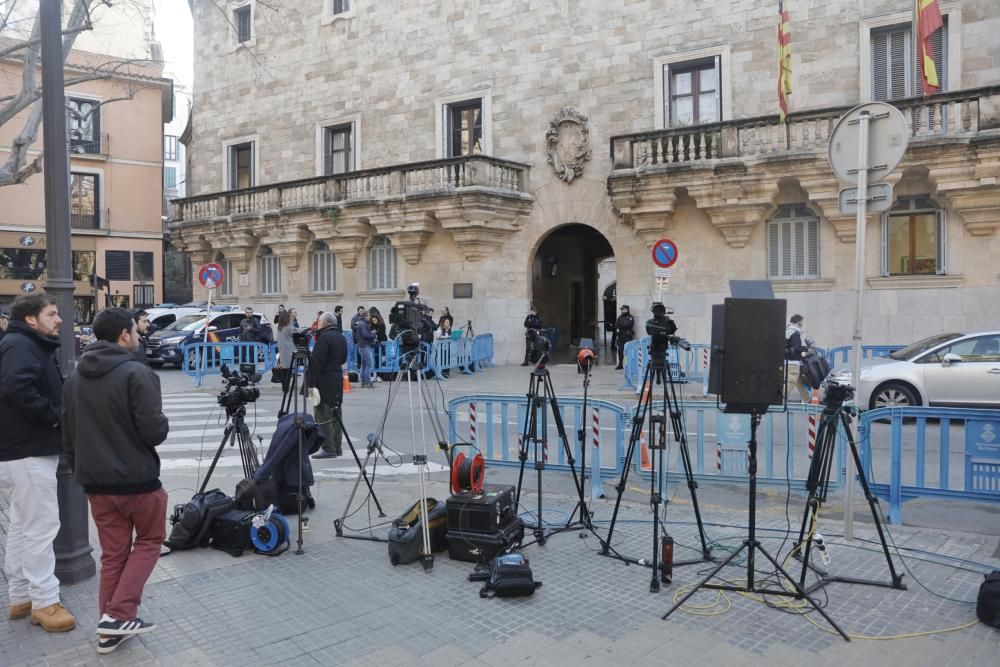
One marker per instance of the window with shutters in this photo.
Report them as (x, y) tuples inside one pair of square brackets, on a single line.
[(270, 272), (464, 122), (894, 66), (241, 166), (226, 288), (338, 149), (913, 238), (83, 125), (118, 265), (169, 147), (793, 244), (322, 269), (693, 92), (382, 265)]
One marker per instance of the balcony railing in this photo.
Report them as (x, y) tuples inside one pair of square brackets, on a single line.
[(949, 115), (85, 217), (98, 145), (433, 177)]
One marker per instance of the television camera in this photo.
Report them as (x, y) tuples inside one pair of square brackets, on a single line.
[(408, 316), (662, 330), (240, 387), (539, 346)]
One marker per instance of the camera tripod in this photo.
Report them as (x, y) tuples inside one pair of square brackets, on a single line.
[(818, 483), (290, 400), (375, 449), (236, 432), (540, 396), (752, 545), (659, 372)]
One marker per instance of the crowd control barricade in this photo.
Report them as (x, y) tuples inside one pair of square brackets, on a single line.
[(933, 452), (447, 354), (482, 351), (637, 357), (494, 424), (205, 359), (841, 356)]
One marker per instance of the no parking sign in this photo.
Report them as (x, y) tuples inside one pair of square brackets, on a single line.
[(210, 276)]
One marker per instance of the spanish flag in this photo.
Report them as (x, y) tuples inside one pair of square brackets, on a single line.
[(929, 21), (784, 61)]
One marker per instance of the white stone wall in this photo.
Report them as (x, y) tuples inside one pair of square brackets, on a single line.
[(392, 62)]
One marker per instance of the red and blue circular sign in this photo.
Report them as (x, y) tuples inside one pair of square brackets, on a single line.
[(664, 253), (210, 275)]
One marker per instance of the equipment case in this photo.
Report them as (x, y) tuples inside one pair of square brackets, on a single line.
[(231, 531), (481, 547), (481, 512)]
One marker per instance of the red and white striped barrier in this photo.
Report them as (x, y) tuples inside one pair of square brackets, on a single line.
[(597, 428), (472, 422), (812, 424), (718, 457)]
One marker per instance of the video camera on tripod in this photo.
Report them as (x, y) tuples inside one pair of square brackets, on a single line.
[(240, 387), (538, 344), (408, 316), (663, 331)]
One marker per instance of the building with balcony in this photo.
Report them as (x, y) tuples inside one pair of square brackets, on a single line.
[(503, 155), (115, 144)]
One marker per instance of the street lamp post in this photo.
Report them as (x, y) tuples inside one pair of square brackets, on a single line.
[(72, 546)]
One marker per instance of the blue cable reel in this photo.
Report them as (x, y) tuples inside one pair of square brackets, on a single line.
[(270, 533)]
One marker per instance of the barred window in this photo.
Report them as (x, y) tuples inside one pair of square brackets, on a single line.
[(793, 244), (322, 270), (382, 265), (270, 272)]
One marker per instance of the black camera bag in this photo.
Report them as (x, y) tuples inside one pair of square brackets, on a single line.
[(988, 602), (231, 531), (510, 577), (193, 520)]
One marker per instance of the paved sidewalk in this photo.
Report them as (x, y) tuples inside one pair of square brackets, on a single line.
[(342, 602)]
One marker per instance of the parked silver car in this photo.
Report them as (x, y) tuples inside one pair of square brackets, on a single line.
[(950, 369)]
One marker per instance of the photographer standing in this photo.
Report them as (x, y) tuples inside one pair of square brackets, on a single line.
[(113, 421), (326, 374), (624, 332), (532, 321)]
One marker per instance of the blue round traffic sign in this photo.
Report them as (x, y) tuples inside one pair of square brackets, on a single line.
[(210, 275), (664, 253)]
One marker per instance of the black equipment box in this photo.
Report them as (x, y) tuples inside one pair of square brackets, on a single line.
[(231, 531), (480, 547), (406, 537), (481, 512)]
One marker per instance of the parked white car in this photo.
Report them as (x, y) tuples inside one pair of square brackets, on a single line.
[(950, 369)]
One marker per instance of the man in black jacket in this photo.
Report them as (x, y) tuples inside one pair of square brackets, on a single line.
[(142, 325), (30, 403), (624, 332), (326, 373), (112, 423), (532, 321), (251, 327)]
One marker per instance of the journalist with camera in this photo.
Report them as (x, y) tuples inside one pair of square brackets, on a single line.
[(326, 374), (411, 322)]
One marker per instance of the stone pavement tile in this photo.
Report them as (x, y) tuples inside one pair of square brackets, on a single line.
[(449, 655)]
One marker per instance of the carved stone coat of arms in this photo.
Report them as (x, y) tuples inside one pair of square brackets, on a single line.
[(567, 143)]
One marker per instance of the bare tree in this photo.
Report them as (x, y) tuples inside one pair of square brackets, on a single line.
[(21, 41)]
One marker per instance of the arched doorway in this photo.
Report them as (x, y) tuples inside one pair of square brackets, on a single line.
[(566, 287)]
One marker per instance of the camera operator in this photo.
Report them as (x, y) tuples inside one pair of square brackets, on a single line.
[(624, 332), (326, 374), (531, 322)]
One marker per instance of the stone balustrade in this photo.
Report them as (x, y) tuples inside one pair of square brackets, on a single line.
[(960, 114)]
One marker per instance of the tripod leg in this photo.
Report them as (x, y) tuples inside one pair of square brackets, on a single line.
[(363, 467), (530, 430), (704, 582), (568, 449), (228, 437)]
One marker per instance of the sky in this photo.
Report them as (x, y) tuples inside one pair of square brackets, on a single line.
[(172, 25)]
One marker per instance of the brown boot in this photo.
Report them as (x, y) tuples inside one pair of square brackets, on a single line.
[(53, 618), (19, 611)]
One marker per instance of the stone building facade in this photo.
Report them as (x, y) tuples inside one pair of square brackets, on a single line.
[(497, 152)]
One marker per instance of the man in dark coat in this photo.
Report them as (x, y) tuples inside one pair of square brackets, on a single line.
[(624, 332), (532, 321), (365, 338), (250, 327), (326, 373), (30, 405), (142, 325), (339, 312), (112, 423)]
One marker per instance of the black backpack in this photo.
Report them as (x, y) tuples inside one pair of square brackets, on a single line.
[(192, 521), (510, 577), (988, 602), (815, 369)]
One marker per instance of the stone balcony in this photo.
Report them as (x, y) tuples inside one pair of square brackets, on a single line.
[(731, 170), (481, 201)]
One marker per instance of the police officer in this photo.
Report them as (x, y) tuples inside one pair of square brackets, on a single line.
[(624, 332), (532, 321)]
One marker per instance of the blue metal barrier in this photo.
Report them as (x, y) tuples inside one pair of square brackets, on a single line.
[(716, 441), (482, 350), (637, 352), (448, 354), (202, 359), (842, 355), (976, 477)]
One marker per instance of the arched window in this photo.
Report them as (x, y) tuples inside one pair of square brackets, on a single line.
[(793, 244), (226, 288), (913, 238), (270, 272), (382, 265), (322, 269)]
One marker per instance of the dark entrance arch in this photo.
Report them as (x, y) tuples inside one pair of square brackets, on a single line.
[(564, 282)]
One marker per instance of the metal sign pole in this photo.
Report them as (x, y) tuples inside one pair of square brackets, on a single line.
[(859, 287), (208, 315)]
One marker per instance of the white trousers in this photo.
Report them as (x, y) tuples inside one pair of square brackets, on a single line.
[(30, 560)]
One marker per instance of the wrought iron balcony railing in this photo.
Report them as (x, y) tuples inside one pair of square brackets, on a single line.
[(86, 217), (92, 146)]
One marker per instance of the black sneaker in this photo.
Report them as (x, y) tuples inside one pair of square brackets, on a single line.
[(325, 454), (110, 643), (111, 627)]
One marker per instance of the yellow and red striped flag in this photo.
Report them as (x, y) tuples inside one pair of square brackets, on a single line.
[(929, 21), (784, 61)]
